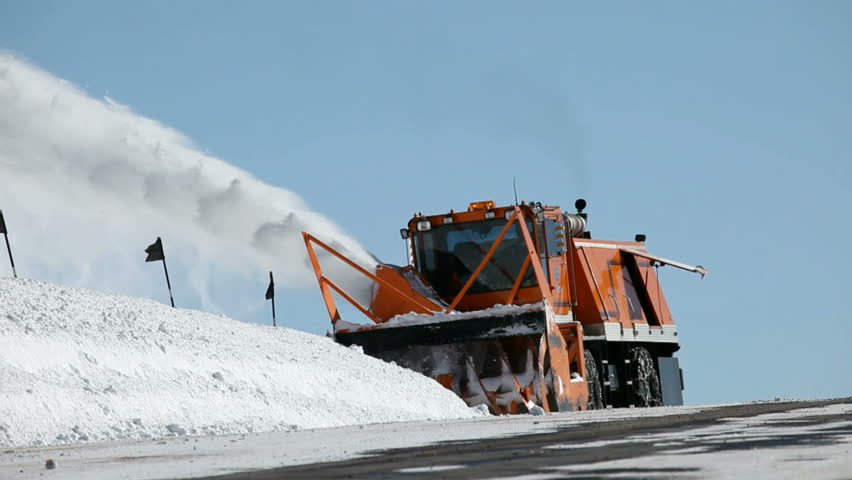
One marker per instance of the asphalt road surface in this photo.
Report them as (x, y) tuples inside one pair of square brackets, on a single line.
[(527, 454)]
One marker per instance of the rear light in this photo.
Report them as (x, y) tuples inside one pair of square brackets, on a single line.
[(424, 225), (489, 214)]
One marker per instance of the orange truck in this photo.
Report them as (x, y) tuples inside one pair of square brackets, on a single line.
[(518, 308)]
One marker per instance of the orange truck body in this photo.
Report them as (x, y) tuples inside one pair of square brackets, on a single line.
[(518, 308)]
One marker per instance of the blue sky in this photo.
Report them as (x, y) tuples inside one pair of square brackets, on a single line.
[(719, 130)]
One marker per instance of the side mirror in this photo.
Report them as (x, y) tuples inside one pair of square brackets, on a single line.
[(403, 232)]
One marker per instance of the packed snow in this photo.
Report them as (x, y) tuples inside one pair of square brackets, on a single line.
[(440, 317), (711, 452), (84, 366), (185, 457)]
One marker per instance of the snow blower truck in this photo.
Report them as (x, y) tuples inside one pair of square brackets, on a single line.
[(518, 308)]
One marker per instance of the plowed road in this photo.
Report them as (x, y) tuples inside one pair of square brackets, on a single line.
[(624, 448)]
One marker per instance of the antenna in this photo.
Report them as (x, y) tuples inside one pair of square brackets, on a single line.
[(515, 188)]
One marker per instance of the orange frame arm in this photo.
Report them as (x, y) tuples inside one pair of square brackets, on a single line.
[(326, 284), (517, 216)]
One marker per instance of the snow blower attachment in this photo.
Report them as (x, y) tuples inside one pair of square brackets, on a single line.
[(495, 303)]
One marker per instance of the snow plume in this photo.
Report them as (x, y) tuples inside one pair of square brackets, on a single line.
[(86, 184)]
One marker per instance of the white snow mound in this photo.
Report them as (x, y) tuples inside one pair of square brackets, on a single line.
[(79, 365)]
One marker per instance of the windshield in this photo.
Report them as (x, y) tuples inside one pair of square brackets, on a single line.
[(448, 254)]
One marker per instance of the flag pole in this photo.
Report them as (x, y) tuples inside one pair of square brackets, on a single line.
[(168, 283), (11, 260)]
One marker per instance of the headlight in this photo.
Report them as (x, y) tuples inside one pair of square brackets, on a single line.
[(489, 214), (509, 213), (424, 225), (448, 220)]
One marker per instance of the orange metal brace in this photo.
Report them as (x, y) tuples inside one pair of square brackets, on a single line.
[(325, 283), (543, 284), (521, 274), (539, 273), (482, 264)]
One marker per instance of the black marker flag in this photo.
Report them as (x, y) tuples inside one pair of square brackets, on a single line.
[(155, 253), (5, 233), (270, 295)]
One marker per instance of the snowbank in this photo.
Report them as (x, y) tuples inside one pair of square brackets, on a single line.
[(79, 365)]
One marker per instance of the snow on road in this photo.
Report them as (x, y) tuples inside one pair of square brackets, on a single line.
[(777, 446), (84, 366), (731, 450), (185, 457)]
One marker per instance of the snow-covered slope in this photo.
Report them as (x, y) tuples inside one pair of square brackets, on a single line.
[(79, 365)]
